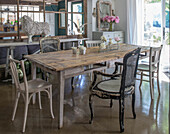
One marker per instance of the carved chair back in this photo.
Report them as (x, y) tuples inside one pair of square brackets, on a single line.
[(49, 44), (130, 63)]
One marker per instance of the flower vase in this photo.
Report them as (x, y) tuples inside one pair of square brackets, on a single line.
[(111, 26)]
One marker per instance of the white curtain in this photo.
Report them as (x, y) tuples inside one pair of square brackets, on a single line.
[(135, 22)]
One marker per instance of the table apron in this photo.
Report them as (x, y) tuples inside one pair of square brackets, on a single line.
[(71, 72), (68, 73)]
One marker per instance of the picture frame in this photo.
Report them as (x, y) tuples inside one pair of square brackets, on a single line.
[(103, 8)]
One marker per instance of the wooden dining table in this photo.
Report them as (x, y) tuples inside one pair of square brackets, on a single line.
[(64, 64)]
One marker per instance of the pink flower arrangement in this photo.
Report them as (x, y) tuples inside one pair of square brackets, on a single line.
[(117, 39), (111, 19)]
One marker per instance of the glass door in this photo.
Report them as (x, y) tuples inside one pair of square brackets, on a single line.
[(156, 27), (166, 23), (156, 22)]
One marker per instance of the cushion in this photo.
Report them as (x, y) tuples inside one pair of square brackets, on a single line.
[(110, 88)]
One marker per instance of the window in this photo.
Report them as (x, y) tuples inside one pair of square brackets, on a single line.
[(75, 18)]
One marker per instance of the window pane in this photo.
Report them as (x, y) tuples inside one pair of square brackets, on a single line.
[(77, 18), (77, 7), (152, 22)]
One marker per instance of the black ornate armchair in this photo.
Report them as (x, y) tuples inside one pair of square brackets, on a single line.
[(118, 86)]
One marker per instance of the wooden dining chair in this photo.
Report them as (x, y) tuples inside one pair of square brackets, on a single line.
[(28, 89), (52, 44), (117, 86), (151, 67), (49, 44), (92, 43)]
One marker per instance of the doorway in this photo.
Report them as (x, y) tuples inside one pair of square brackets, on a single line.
[(156, 22), (156, 28)]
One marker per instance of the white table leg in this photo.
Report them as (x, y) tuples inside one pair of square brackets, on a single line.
[(10, 49), (7, 62), (61, 99), (79, 43), (33, 75), (64, 45), (12, 54), (73, 44)]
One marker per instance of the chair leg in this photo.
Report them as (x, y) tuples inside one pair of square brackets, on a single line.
[(150, 82), (72, 91), (91, 77), (133, 105), (15, 106), (121, 114), (158, 82), (121, 68), (72, 81), (111, 103), (91, 110), (141, 79), (153, 81), (39, 97), (91, 74), (51, 103), (25, 114)]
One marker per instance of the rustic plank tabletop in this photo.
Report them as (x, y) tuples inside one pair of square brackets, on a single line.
[(62, 60)]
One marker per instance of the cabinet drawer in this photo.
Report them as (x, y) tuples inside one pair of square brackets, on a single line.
[(118, 34), (108, 35)]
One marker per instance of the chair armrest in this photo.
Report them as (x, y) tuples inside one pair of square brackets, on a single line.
[(116, 66), (106, 75), (119, 63)]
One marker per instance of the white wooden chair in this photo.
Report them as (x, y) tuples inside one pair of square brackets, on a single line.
[(92, 43), (28, 88), (151, 67)]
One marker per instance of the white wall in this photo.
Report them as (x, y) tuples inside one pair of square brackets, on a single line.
[(120, 9)]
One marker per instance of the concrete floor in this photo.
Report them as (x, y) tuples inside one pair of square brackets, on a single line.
[(152, 117)]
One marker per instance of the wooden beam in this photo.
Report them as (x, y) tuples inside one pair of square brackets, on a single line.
[(18, 19), (85, 16), (66, 16), (44, 9)]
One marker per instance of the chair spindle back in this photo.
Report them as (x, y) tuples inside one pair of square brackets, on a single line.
[(93, 43), (14, 72), (49, 44)]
